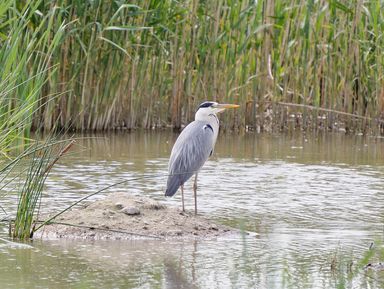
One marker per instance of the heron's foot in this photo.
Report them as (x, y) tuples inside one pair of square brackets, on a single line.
[(183, 213)]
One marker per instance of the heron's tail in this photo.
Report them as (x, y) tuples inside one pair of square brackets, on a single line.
[(173, 185)]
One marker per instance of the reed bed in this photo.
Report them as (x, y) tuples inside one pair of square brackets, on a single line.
[(27, 42), (29, 36), (149, 63)]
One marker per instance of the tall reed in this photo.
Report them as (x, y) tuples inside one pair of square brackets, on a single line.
[(149, 63), (28, 40), (43, 157)]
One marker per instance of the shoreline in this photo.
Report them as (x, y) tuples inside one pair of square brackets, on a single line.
[(121, 216)]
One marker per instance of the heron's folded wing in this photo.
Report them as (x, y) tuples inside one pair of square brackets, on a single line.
[(191, 150)]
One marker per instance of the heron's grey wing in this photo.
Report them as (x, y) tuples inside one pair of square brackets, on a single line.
[(191, 150)]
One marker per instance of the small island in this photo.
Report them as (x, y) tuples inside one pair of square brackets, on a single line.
[(121, 216)]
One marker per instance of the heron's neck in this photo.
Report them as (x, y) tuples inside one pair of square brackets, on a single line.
[(211, 119)]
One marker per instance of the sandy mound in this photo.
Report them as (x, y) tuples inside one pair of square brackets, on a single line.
[(120, 216)]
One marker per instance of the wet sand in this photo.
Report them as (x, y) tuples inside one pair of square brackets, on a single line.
[(123, 217)]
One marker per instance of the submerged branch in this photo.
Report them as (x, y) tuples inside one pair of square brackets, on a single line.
[(327, 110), (311, 107)]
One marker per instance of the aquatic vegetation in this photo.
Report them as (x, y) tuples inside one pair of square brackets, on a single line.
[(30, 194), (29, 197), (27, 42), (307, 64)]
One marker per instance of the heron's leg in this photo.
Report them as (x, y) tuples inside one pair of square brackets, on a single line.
[(182, 196), (195, 193)]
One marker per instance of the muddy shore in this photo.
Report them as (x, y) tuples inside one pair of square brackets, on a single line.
[(123, 217)]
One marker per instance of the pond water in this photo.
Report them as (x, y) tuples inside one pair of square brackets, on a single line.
[(315, 202)]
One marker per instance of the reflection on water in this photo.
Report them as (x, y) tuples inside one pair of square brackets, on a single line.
[(307, 197)]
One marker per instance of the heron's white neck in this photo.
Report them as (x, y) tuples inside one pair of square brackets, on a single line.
[(209, 117)]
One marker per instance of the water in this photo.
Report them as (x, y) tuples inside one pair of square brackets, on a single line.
[(315, 202)]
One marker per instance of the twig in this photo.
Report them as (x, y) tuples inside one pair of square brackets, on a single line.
[(82, 199), (30, 151), (311, 106), (326, 110), (3, 210), (45, 223), (100, 229), (63, 151)]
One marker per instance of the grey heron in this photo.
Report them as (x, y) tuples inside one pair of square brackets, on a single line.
[(193, 147)]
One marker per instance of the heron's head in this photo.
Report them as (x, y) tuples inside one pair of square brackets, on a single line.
[(211, 107)]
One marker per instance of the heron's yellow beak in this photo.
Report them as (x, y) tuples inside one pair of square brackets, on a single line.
[(226, 105)]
